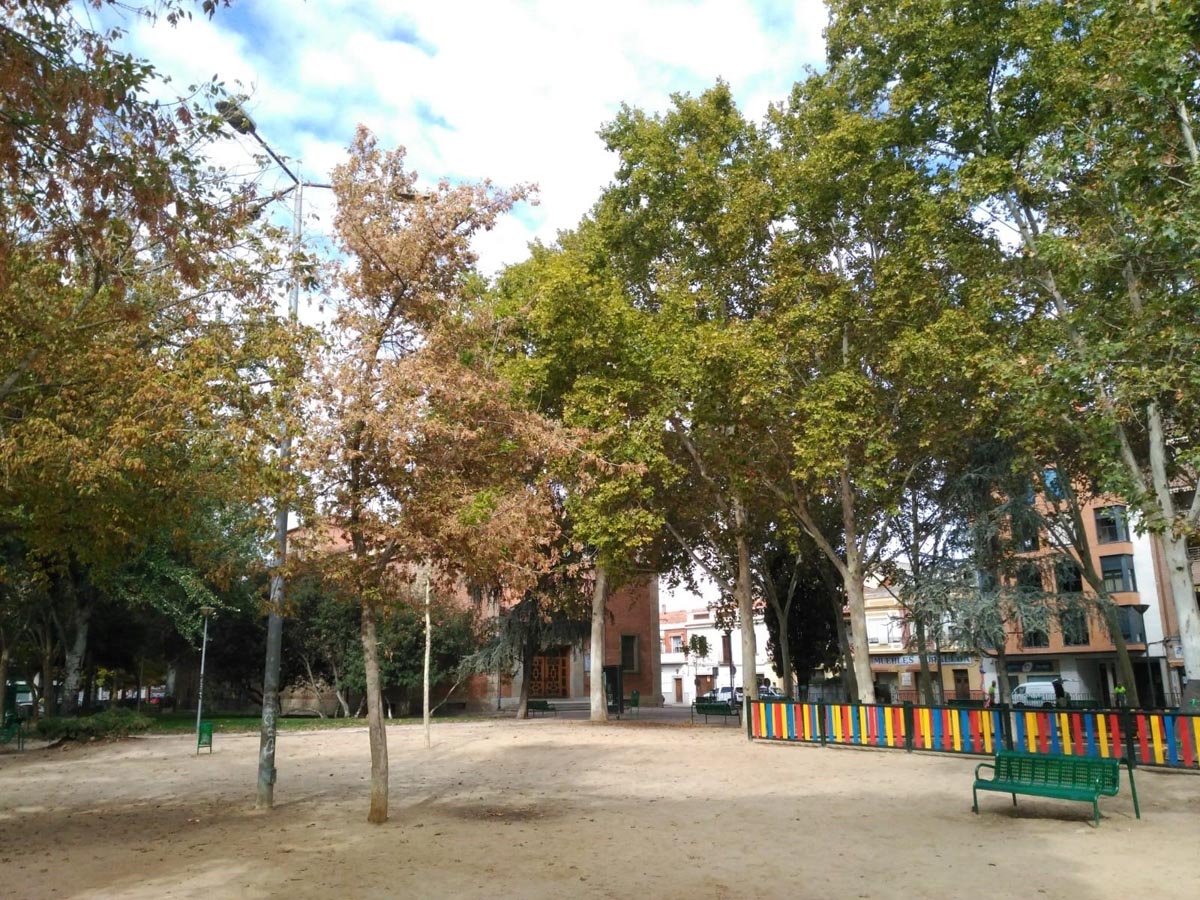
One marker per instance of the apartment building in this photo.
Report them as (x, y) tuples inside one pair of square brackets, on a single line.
[(684, 614), (896, 665), (1077, 647)]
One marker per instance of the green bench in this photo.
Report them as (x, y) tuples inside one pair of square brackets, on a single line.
[(13, 730), (1083, 778), (715, 708), (541, 706)]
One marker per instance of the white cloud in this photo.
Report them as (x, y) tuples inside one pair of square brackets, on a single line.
[(505, 89)]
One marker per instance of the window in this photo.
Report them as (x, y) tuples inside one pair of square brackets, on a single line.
[(1029, 578), (677, 643), (1074, 624), (1069, 578), (629, 653), (726, 649), (1117, 572), (1034, 637), (1053, 485), (877, 631), (1111, 525), (1024, 531), (1132, 628)]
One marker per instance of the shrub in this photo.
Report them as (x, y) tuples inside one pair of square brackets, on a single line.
[(112, 723)]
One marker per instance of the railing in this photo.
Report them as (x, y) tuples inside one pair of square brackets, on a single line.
[(1169, 738)]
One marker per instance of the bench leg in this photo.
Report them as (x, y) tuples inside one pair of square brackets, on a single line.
[(1096, 812), (1014, 799), (975, 800), (1133, 790)]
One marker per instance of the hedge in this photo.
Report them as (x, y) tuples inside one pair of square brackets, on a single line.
[(112, 723)]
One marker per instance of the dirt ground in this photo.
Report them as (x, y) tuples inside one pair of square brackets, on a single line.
[(550, 808)]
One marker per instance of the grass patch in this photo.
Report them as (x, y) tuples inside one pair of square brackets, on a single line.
[(112, 723)]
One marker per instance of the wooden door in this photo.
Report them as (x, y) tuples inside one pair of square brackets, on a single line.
[(962, 684), (551, 675), (678, 690)]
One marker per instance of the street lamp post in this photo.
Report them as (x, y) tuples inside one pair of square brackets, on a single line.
[(207, 612), (241, 122)]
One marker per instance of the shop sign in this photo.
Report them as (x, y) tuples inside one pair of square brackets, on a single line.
[(912, 659), (1031, 665)]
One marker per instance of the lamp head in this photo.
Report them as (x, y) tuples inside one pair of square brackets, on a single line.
[(231, 111)]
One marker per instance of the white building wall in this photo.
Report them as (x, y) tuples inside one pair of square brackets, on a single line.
[(699, 622), (1147, 585)]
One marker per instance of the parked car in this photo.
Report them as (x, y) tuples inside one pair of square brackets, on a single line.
[(1034, 693), (723, 695), (770, 693)]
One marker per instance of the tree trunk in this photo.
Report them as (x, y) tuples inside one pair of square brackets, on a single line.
[(839, 621), (860, 647), (375, 727), (1187, 614), (73, 664), (48, 706), (425, 674), (599, 605), (4, 654), (527, 655), (940, 693), (923, 657), (745, 604), (854, 577), (789, 682), (1124, 663), (339, 692), (1002, 677)]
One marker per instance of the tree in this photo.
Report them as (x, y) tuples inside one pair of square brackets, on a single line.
[(879, 366), (687, 225), (553, 613), (138, 313), (418, 456), (1072, 126), (801, 619), (581, 354)]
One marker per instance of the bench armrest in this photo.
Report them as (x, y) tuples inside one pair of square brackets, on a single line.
[(991, 766)]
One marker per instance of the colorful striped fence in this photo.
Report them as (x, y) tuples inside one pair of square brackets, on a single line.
[(1170, 739)]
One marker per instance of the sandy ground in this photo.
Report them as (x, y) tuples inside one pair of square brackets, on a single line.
[(552, 808)]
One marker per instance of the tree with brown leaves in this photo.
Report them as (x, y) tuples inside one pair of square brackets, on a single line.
[(418, 456)]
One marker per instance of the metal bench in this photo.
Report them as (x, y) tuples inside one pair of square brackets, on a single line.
[(13, 730), (541, 706), (1083, 778), (708, 708)]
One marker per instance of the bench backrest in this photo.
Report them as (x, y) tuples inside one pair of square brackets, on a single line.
[(1059, 771)]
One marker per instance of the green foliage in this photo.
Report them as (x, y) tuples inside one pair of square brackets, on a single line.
[(112, 723)]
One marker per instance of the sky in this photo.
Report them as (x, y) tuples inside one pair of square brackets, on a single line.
[(511, 90)]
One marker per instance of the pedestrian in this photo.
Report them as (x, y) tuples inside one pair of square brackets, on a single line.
[(991, 694), (1060, 693)]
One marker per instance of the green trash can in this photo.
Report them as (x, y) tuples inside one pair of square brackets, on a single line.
[(204, 736)]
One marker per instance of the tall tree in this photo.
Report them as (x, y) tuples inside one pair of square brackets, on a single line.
[(1072, 125), (418, 455), (138, 325), (870, 297), (688, 225)]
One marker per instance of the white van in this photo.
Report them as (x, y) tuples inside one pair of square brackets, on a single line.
[(1034, 693)]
